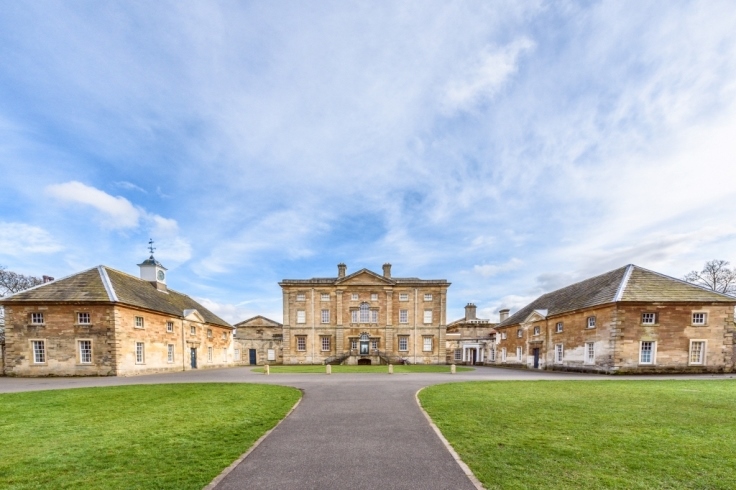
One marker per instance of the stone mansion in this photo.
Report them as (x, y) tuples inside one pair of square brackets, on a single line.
[(364, 318)]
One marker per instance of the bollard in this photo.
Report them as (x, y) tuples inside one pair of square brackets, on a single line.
[(390, 369), (329, 369), (452, 369), (266, 369)]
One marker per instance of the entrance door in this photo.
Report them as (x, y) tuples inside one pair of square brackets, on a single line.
[(475, 356), (364, 340), (193, 357), (536, 358), (252, 356)]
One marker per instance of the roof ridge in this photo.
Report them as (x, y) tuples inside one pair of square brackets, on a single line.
[(107, 283), (624, 282), (168, 289), (47, 283)]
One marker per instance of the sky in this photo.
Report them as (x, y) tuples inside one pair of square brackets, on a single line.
[(511, 148)]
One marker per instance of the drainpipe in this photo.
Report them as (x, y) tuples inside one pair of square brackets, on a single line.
[(183, 348), (313, 326), (415, 325)]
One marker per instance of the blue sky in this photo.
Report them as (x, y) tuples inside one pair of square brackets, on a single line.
[(511, 148)]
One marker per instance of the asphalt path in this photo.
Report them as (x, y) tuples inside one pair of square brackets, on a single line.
[(361, 431)]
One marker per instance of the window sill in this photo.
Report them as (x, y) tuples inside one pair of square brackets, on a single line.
[(37, 325), (84, 325), (649, 324)]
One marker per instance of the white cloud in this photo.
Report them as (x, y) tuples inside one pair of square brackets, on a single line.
[(120, 214), (130, 186), (169, 243), (486, 75), (20, 239), (116, 212), (490, 270), (237, 312)]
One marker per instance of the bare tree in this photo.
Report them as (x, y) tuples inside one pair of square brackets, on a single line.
[(716, 276), (12, 282)]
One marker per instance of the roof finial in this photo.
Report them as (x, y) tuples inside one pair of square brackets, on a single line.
[(150, 246)]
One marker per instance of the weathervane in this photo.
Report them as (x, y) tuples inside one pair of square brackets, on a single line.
[(150, 246)]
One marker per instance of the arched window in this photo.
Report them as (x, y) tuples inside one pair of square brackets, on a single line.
[(364, 313), (365, 336)]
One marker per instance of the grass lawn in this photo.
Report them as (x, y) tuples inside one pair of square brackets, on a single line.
[(175, 436), (398, 369), (591, 434)]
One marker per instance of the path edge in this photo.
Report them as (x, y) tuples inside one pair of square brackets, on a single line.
[(235, 463), (453, 453)]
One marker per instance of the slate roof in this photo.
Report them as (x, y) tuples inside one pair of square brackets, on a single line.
[(630, 283), (102, 284)]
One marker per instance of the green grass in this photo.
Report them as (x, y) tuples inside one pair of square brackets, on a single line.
[(398, 369), (591, 434), (148, 436)]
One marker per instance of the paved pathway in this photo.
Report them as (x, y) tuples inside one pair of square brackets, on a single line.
[(362, 431)]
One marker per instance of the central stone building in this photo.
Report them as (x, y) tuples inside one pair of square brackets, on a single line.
[(364, 318)]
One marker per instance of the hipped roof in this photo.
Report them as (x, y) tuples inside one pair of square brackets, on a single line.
[(630, 283), (102, 284)]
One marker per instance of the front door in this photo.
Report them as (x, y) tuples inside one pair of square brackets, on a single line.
[(193, 357), (475, 356), (252, 356), (536, 358)]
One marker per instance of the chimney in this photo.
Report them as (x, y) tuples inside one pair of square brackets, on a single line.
[(470, 311), (503, 314), (47, 279), (341, 268), (387, 270)]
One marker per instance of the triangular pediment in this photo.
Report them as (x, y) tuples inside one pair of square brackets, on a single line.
[(536, 316), (258, 321), (364, 277), (193, 316)]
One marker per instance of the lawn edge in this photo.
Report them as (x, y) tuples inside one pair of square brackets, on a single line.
[(216, 481), (466, 469)]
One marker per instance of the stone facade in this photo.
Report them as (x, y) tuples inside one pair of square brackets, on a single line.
[(259, 340), (364, 318), (103, 322), (643, 323), (470, 340)]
